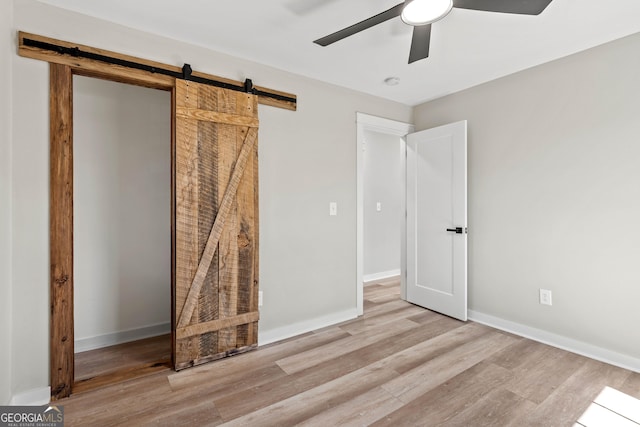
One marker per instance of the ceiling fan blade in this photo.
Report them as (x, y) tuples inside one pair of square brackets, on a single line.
[(522, 7), (362, 25), (420, 43)]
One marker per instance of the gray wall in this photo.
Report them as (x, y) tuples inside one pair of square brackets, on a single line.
[(553, 194), (383, 182), (122, 211), (307, 159), (7, 40)]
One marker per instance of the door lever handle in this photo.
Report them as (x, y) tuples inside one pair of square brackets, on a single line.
[(457, 230)]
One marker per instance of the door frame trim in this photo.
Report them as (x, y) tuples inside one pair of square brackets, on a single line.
[(367, 122), (62, 356)]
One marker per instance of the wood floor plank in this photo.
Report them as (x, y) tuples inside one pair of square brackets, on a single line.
[(87, 409), (382, 352), (93, 363), (425, 316), (382, 365), (569, 401), (632, 385), (371, 405), (383, 291), (427, 376), (382, 309), (385, 297), (185, 408), (302, 406), (380, 292), (442, 403), (385, 307), (368, 305), (387, 281), (254, 360), (546, 368), (226, 384), (253, 399), (495, 409), (380, 321), (441, 345), (370, 334), (171, 411), (397, 365), (518, 354), (235, 405), (200, 412), (121, 375)]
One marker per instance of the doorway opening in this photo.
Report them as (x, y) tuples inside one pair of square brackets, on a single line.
[(383, 210), (379, 131), (122, 231)]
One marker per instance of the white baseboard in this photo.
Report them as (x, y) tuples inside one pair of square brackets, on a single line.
[(381, 275), (33, 397), (91, 343), (555, 340), (284, 332)]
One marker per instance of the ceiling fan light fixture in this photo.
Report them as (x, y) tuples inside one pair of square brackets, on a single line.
[(423, 12)]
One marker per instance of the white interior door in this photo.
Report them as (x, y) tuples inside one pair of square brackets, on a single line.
[(437, 219)]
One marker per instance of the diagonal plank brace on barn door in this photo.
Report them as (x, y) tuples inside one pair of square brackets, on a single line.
[(218, 226)]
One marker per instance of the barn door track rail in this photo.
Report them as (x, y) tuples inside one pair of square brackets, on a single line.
[(87, 61)]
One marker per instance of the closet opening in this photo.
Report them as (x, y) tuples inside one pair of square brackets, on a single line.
[(121, 231)]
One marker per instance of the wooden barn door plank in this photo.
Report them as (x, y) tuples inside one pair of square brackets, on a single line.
[(216, 216), (223, 231), (247, 232), (186, 219)]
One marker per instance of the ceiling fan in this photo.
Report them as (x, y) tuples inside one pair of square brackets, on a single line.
[(422, 13)]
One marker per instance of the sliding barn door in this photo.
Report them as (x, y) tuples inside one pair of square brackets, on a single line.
[(216, 224)]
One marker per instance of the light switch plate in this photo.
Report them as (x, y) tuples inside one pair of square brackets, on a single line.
[(333, 208)]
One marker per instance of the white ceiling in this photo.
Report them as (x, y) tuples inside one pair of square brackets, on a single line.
[(467, 47)]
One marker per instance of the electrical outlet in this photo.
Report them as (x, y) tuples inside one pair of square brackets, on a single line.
[(259, 298), (379, 206), (545, 297)]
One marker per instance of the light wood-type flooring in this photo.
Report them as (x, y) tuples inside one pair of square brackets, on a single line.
[(96, 368), (398, 365)]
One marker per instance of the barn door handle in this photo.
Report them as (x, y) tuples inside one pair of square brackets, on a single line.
[(457, 230)]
